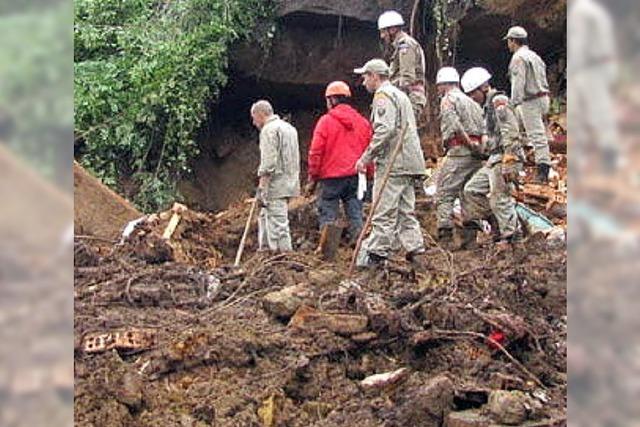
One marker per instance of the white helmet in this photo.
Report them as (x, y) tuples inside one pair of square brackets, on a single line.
[(390, 18), (447, 75), (473, 78)]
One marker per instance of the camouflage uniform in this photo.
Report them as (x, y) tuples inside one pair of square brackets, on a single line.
[(530, 97), (391, 111), (407, 72), (280, 160), (459, 113), (487, 192)]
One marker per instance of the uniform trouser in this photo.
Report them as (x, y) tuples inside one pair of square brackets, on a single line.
[(334, 190), (452, 177), (273, 226), (531, 114), (395, 214), (487, 193)]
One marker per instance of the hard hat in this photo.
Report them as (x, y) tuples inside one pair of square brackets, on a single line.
[(337, 88), (516, 33), (473, 78), (390, 18), (447, 75), (375, 66)]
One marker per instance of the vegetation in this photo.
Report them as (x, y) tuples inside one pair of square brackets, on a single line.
[(145, 72)]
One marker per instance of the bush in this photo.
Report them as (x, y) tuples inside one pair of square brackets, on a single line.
[(145, 71)]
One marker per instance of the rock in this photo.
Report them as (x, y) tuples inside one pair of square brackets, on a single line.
[(379, 381), (323, 277), (507, 382), (364, 337), (470, 418), (128, 390), (508, 407), (361, 10), (309, 318), (285, 302), (427, 405)]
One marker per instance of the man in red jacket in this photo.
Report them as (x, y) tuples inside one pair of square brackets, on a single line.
[(339, 139)]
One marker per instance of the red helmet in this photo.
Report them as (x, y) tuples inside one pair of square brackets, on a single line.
[(337, 88)]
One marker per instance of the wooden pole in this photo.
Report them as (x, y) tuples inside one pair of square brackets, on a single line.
[(376, 199), (245, 233)]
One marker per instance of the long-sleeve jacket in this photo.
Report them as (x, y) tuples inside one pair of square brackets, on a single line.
[(339, 139), (528, 75), (502, 128), (407, 64), (460, 114), (390, 112), (280, 158)]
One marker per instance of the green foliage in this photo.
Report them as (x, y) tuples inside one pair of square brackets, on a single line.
[(145, 71)]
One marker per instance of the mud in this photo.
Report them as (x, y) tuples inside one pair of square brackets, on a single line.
[(489, 319)]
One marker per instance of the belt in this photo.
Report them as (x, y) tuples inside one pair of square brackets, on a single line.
[(458, 141), (536, 96)]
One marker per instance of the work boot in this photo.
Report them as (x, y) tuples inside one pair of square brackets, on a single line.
[(374, 262), (418, 260), (469, 236), (495, 228), (445, 234), (542, 176)]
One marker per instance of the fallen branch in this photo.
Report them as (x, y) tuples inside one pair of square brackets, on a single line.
[(499, 347)]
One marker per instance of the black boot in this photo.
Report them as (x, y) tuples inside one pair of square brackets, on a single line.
[(469, 236), (495, 228), (543, 173), (376, 261), (445, 235)]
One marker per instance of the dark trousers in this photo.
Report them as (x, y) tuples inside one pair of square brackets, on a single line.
[(333, 190)]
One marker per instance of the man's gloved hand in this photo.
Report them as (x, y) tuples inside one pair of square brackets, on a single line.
[(310, 188), (261, 197), (361, 167), (510, 168)]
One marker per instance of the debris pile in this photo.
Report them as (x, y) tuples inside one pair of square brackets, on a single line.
[(167, 333)]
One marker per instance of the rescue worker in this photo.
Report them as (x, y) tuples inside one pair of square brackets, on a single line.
[(406, 61), (391, 111), (279, 176), (530, 96), (489, 190), (339, 139), (463, 130)]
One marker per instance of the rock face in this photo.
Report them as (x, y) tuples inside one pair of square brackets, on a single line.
[(314, 42)]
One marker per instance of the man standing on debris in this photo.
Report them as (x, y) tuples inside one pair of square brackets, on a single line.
[(530, 96), (279, 174), (339, 139), (391, 112), (489, 191), (463, 131), (406, 61)]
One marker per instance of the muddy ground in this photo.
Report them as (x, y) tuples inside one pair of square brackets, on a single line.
[(484, 332)]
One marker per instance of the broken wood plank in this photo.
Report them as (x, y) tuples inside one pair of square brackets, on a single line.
[(171, 227)]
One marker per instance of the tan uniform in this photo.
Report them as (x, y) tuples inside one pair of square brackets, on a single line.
[(487, 192), (395, 215), (408, 72), (279, 159), (459, 113), (530, 97)]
